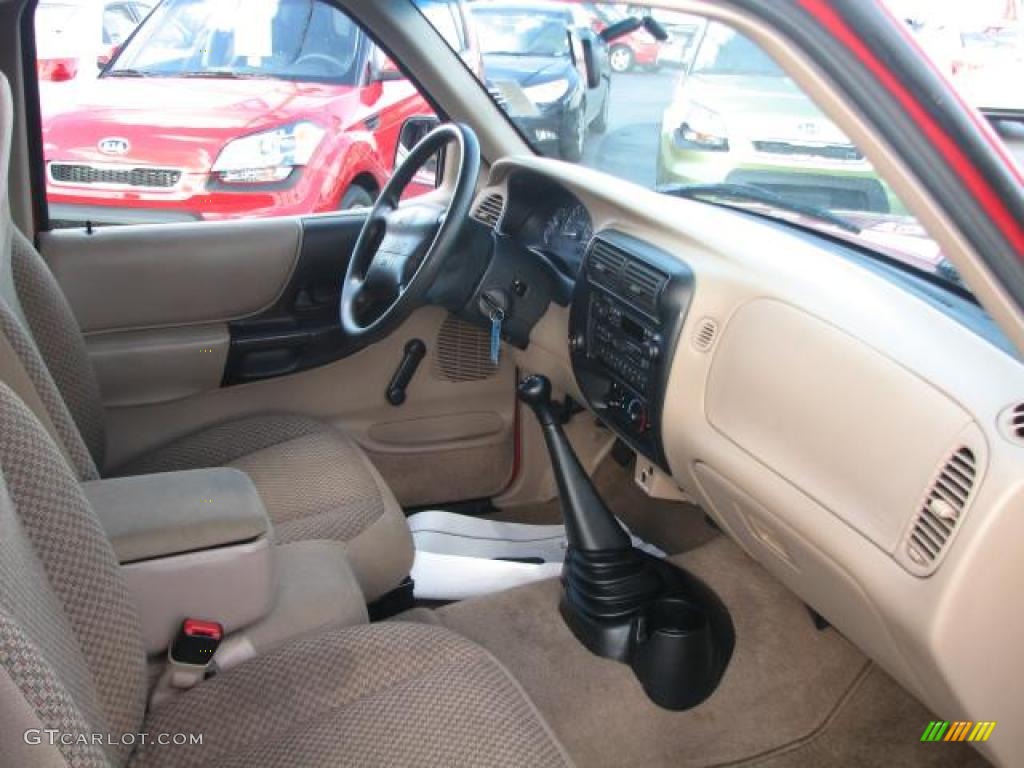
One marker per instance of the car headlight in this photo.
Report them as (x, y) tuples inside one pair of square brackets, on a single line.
[(703, 128), (546, 93), (270, 156)]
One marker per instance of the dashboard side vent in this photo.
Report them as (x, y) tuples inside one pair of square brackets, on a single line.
[(489, 211), (1013, 422), (704, 338), (942, 510), (462, 352)]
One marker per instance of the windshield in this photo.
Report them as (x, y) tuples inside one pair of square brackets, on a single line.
[(709, 115), (724, 52), (520, 33), (302, 40)]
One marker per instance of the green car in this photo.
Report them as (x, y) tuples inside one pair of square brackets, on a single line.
[(737, 118)]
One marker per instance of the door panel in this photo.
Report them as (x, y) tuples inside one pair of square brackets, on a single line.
[(300, 329), (151, 276), (452, 439), (160, 364)]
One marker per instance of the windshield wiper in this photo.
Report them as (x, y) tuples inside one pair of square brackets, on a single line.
[(127, 73), (219, 74), (753, 194)]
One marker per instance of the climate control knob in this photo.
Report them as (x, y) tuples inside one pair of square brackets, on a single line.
[(636, 412)]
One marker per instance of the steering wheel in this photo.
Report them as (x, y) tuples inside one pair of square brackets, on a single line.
[(403, 244), (327, 63)]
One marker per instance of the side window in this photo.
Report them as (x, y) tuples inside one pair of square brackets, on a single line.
[(216, 109), (118, 23)]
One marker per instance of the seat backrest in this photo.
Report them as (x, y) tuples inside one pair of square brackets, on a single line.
[(42, 347), (71, 655)]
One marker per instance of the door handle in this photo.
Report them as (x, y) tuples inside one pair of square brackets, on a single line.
[(415, 351)]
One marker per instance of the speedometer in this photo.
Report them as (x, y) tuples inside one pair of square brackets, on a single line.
[(578, 228), (566, 233)]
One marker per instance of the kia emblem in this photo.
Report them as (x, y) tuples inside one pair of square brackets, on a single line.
[(114, 145), (808, 128)]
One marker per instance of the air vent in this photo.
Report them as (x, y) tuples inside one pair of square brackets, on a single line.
[(463, 352), (1013, 423), (606, 262), (625, 275), (704, 338), (942, 510), (490, 210), (642, 285)]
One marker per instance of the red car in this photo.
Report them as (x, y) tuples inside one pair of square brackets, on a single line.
[(637, 50), (218, 109)]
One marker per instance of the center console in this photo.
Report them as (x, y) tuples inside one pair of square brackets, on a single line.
[(197, 544), (628, 309)]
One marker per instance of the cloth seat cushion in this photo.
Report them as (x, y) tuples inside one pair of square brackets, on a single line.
[(395, 694), (315, 483)]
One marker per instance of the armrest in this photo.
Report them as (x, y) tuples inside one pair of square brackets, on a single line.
[(191, 544), (172, 513)]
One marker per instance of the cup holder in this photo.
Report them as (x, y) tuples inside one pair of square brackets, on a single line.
[(674, 616), (676, 656)]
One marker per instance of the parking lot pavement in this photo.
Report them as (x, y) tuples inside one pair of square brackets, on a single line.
[(628, 149)]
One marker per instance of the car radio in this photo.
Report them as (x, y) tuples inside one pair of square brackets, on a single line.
[(628, 307)]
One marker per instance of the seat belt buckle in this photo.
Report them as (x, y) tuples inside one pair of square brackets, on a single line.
[(189, 658), (196, 643)]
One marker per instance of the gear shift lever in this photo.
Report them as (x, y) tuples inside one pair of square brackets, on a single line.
[(621, 603), (589, 525), (605, 578)]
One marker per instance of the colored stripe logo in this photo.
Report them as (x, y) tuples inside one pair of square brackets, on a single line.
[(958, 730)]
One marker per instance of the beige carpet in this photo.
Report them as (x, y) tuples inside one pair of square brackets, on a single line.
[(672, 526), (877, 724), (792, 696)]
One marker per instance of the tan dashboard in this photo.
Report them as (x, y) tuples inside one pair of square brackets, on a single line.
[(846, 432)]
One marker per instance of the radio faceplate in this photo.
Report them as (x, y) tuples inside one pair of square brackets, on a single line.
[(628, 309)]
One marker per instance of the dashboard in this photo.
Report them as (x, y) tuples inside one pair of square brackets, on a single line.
[(866, 471)]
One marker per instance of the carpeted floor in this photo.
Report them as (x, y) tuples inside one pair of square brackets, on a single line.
[(792, 696), (672, 526)]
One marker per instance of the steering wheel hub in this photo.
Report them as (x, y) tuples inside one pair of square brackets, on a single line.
[(403, 244)]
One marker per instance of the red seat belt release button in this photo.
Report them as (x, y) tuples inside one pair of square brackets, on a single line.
[(197, 642)]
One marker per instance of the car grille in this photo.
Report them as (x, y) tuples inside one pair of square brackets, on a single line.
[(842, 152), (152, 178)]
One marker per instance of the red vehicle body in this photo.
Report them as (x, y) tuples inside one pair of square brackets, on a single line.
[(153, 145), (638, 49)]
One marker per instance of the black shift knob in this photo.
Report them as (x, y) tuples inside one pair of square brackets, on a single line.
[(535, 391)]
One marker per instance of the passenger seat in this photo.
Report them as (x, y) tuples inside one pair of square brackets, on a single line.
[(315, 481), (71, 660)]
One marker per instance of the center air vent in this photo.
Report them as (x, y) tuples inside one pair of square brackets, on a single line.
[(626, 276), (490, 210), (942, 511)]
